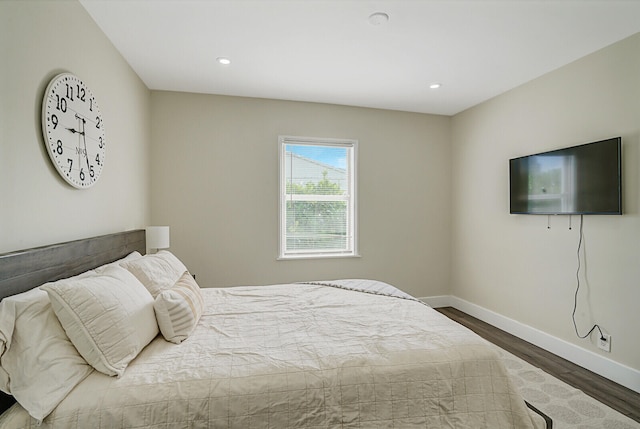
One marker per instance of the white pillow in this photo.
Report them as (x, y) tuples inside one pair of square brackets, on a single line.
[(156, 272), (130, 257), (38, 364), (178, 309), (109, 317)]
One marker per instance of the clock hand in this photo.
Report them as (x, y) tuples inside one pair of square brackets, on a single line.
[(84, 141), (75, 131), (80, 133)]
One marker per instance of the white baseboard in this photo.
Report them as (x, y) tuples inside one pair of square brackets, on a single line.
[(437, 301), (614, 371)]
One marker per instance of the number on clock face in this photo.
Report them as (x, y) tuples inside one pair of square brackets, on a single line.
[(73, 130)]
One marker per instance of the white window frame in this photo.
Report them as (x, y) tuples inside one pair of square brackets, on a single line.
[(350, 198)]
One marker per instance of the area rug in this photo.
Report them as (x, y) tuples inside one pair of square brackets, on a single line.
[(568, 407)]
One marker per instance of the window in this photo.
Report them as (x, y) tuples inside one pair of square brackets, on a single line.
[(317, 197)]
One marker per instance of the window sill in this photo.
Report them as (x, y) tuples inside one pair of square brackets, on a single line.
[(319, 256)]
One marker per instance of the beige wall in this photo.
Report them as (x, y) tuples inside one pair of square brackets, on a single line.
[(215, 181), (39, 39), (514, 265)]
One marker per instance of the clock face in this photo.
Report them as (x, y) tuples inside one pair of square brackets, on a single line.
[(73, 130)]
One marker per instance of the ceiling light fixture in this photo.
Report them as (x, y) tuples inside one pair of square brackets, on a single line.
[(378, 18), (435, 85), (223, 60)]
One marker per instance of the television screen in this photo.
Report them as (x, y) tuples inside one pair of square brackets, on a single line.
[(583, 179)]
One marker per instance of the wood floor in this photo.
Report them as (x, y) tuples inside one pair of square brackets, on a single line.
[(619, 398)]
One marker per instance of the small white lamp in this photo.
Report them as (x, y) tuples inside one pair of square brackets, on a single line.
[(157, 237)]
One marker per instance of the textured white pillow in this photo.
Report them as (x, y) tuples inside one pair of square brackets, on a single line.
[(38, 364), (156, 272), (178, 309), (130, 257), (109, 317)]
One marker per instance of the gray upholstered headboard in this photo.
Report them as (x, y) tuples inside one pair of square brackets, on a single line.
[(26, 269)]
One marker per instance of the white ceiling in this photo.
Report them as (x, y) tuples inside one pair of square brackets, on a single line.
[(327, 50)]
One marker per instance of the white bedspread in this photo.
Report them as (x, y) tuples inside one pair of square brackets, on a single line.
[(301, 355)]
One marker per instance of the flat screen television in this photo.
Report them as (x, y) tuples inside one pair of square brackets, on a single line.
[(584, 179)]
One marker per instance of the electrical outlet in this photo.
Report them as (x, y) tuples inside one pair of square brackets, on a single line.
[(604, 342)]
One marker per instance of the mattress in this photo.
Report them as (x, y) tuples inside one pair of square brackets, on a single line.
[(302, 356)]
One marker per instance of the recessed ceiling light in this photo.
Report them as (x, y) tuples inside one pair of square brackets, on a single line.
[(435, 85), (378, 18), (223, 60)]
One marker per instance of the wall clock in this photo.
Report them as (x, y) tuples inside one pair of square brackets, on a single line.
[(73, 130)]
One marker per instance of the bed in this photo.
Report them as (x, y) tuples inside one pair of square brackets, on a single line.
[(145, 346)]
